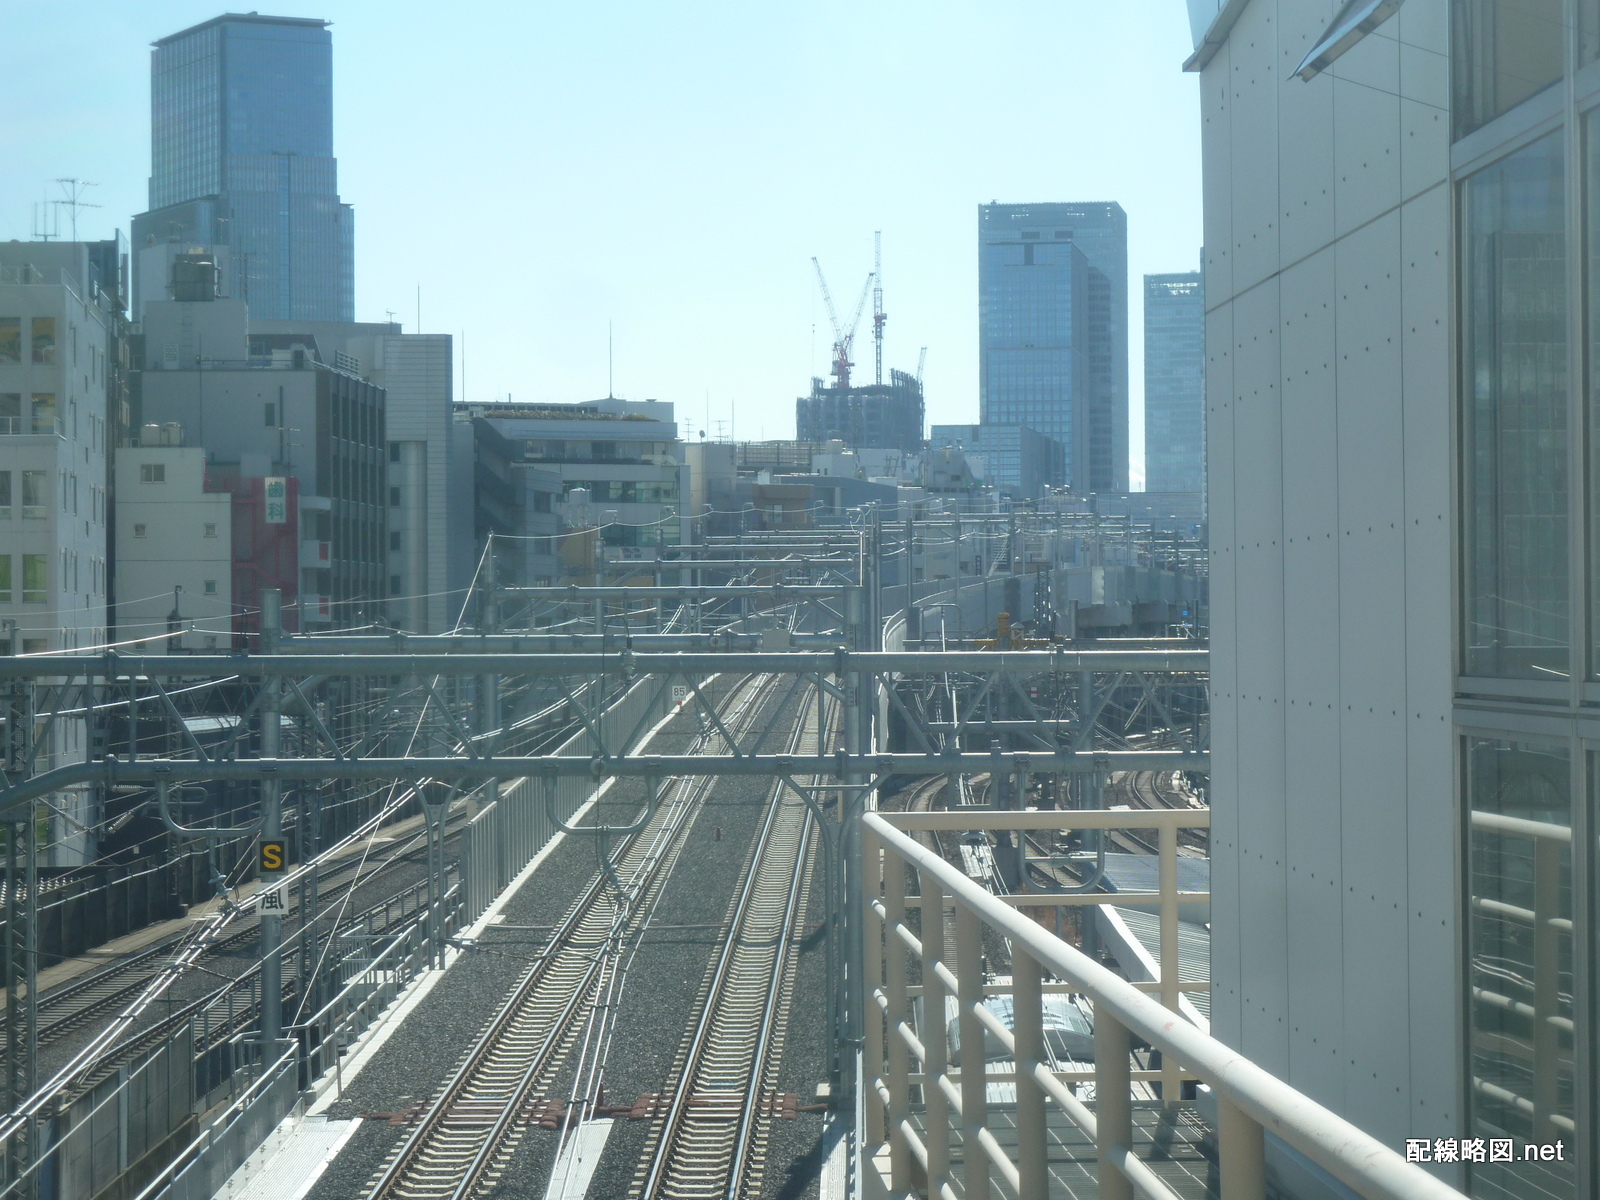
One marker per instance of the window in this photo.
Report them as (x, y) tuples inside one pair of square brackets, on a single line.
[(394, 585), (394, 497), (35, 494), (44, 340), (394, 452), (35, 578), (1514, 418), (270, 414), (152, 472), (10, 412), (394, 541), (1503, 52), (10, 339), (210, 529), (5, 579), (5, 495), (44, 413), (211, 587), (138, 529), (1520, 958)]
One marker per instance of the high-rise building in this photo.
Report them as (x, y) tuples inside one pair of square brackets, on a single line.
[(1174, 383), (1016, 461), (1053, 331), (62, 338), (241, 153), (1400, 222)]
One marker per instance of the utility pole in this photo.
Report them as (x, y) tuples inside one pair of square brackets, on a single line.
[(271, 831)]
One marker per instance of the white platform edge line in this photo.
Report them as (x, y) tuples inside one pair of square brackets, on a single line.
[(332, 1153)]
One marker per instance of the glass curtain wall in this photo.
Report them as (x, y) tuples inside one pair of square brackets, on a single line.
[(1504, 52), (1528, 236), (1514, 472)]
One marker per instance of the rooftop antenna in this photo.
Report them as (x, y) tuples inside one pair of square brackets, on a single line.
[(879, 317), (611, 366), (46, 221), (73, 190)]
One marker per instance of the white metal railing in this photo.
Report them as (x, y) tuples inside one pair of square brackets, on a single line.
[(1541, 1002), (954, 1100)]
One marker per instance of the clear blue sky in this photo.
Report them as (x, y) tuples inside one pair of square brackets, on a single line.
[(542, 169)]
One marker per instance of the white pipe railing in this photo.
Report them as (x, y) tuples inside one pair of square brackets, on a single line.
[(954, 1100)]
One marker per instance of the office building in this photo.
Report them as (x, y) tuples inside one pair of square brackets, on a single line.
[(430, 553), (268, 414), (1012, 459), (61, 342), (1400, 210), (174, 561), (619, 463), (1053, 331), (1174, 383), (875, 415), (242, 167)]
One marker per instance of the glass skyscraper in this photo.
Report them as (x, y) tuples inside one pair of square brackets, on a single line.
[(1174, 383), (1053, 331), (241, 151)]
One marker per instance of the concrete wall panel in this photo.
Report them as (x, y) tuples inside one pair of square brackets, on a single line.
[(1329, 454), (1366, 150), (1254, 127), (1430, 793)]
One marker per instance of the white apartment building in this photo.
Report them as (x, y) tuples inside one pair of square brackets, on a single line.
[(174, 552), (55, 343)]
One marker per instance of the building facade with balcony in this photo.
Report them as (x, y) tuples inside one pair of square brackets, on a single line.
[(1401, 206)]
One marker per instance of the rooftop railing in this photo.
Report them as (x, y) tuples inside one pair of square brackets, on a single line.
[(942, 1120)]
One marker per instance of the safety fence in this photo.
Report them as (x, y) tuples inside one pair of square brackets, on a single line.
[(507, 832), (1065, 1094)]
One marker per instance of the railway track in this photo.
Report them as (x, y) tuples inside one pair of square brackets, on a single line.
[(711, 1137), (462, 1143), (67, 1009)]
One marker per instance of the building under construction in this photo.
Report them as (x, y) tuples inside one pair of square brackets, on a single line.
[(877, 415)]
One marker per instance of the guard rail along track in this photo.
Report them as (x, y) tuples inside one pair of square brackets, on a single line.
[(711, 1137), (469, 1131)]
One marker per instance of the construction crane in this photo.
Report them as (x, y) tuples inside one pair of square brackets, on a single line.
[(922, 361), (843, 339), (879, 317)]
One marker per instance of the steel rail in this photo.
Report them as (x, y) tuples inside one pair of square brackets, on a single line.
[(708, 1157), (524, 1040), (90, 991)]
